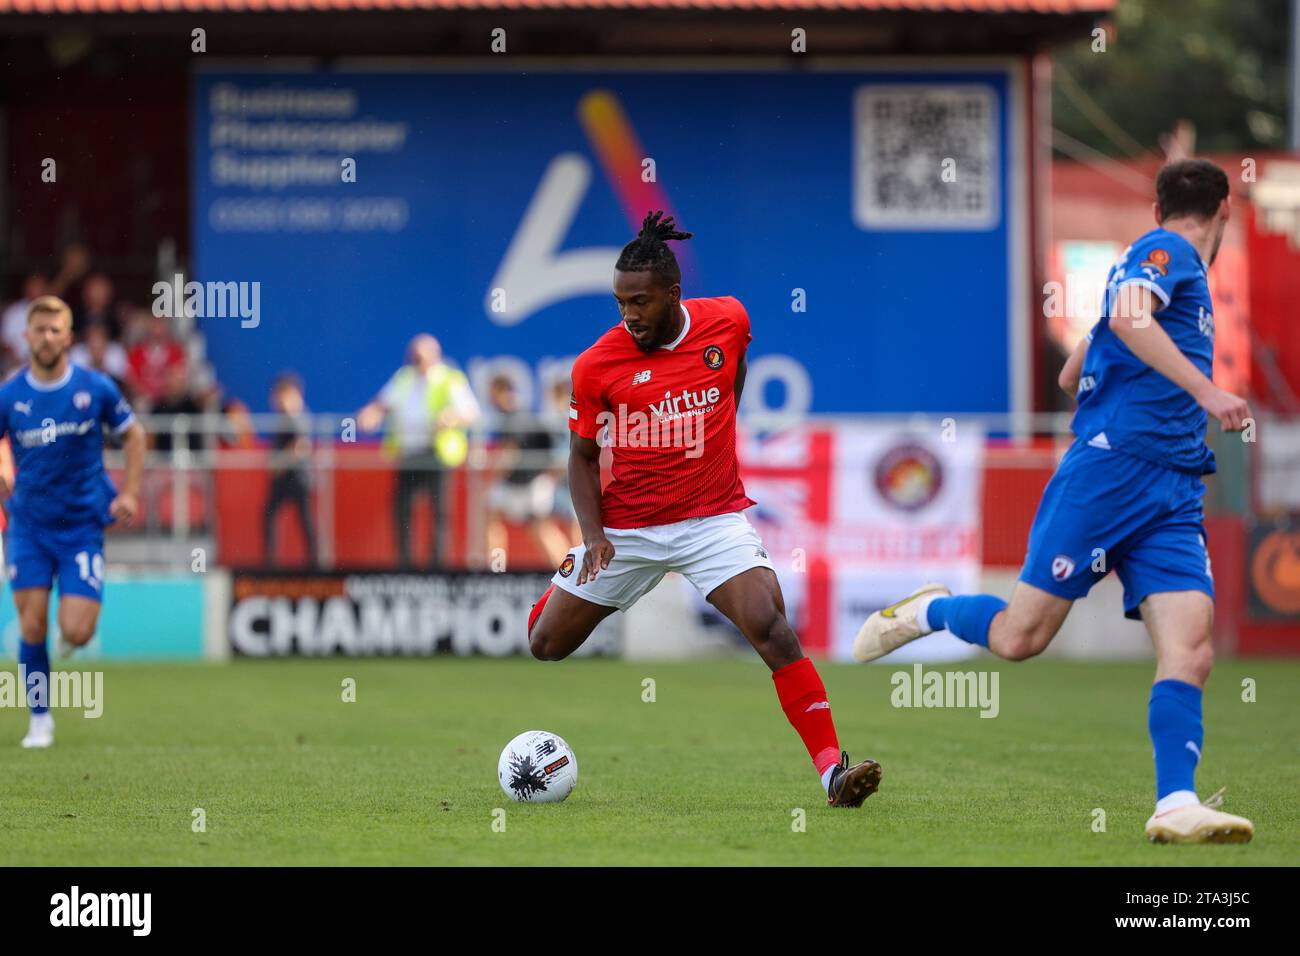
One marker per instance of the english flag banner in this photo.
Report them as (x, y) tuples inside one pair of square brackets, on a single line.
[(856, 516)]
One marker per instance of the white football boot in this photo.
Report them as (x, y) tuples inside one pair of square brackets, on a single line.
[(892, 627), (40, 731), (1199, 823)]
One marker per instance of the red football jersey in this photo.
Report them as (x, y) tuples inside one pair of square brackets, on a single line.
[(668, 415)]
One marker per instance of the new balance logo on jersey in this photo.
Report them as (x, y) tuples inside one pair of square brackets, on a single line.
[(1087, 383), (640, 378)]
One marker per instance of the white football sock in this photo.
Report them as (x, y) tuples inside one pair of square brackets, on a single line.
[(826, 778), (922, 610), (1179, 798)]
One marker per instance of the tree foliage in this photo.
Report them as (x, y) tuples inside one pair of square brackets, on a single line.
[(1221, 64)]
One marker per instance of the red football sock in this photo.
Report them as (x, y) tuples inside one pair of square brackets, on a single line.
[(536, 612), (803, 698)]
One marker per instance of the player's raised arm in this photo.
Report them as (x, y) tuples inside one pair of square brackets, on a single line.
[(115, 414), (1133, 324), (587, 410), (371, 416), (1069, 377), (742, 364), (6, 469), (584, 486), (127, 503)]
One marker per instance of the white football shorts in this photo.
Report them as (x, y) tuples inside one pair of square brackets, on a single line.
[(707, 551)]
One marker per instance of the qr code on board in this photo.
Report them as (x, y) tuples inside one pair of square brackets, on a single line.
[(925, 157)]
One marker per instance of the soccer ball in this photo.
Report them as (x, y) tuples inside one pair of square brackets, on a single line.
[(537, 767)]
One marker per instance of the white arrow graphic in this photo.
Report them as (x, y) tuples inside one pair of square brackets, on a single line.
[(532, 275)]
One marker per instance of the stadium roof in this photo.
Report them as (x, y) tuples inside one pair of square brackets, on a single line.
[(260, 6)]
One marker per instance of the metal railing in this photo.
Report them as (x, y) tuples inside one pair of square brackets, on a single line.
[(170, 530), (180, 487)]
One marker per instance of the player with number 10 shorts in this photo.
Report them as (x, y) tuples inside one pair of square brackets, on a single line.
[(55, 414)]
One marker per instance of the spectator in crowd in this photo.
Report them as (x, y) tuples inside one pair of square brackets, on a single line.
[(525, 492), (13, 326), (290, 463), (178, 399), (74, 263), (136, 323), (237, 431), (424, 409), (97, 350), (159, 486), (97, 307), (151, 359)]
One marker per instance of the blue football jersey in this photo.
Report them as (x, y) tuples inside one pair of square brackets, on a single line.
[(1126, 405), (56, 432)]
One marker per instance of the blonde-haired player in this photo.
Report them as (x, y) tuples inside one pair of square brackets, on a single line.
[(54, 413)]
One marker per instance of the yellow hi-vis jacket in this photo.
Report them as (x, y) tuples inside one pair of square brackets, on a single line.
[(450, 444)]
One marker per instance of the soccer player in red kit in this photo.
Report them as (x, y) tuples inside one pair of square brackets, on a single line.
[(663, 385)]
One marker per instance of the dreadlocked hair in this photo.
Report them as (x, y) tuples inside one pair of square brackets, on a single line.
[(648, 252)]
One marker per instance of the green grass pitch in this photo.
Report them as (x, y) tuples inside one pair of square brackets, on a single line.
[(288, 773)]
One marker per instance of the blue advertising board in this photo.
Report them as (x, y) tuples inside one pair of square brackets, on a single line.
[(144, 617), (866, 219)]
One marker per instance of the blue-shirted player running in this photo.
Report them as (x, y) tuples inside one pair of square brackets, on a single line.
[(1127, 495), (54, 413)]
